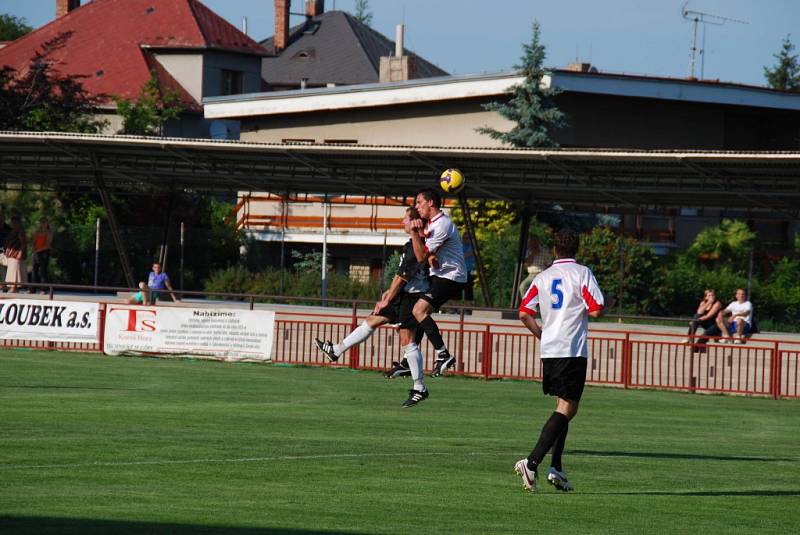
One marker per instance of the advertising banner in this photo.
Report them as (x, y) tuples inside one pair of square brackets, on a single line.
[(50, 321), (229, 334)]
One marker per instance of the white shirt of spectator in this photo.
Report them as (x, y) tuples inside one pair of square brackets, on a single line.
[(565, 293), (442, 239), (736, 307)]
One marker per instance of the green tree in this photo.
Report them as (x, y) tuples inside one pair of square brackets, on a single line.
[(785, 74), (530, 105), (12, 27), (147, 115), (362, 13), (42, 99), (727, 244), (601, 249)]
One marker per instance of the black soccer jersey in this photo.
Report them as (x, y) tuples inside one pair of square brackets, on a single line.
[(415, 273)]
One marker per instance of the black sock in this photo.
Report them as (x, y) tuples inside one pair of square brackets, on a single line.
[(418, 334), (558, 449), (552, 429), (432, 332)]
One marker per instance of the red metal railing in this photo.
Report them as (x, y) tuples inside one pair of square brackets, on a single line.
[(493, 351), (617, 358)]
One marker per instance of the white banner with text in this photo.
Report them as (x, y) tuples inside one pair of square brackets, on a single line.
[(50, 321), (229, 334)]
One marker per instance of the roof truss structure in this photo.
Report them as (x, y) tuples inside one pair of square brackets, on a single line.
[(764, 183)]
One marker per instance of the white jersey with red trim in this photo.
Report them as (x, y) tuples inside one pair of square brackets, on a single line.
[(443, 240), (565, 293)]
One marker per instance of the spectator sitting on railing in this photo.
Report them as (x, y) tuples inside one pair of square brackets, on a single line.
[(736, 320), (706, 315), (158, 280), (140, 297)]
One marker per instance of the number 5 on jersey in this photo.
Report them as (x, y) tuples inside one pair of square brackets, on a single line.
[(556, 295)]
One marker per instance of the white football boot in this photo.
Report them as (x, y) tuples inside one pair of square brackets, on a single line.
[(528, 476), (559, 480)]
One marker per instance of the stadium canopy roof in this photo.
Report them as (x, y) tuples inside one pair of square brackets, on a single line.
[(583, 179)]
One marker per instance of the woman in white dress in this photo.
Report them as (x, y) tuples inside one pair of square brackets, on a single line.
[(14, 249)]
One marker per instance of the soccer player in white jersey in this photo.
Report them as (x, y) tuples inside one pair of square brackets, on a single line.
[(566, 294), (395, 307), (443, 250)]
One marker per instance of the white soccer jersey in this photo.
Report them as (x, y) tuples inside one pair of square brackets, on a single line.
[(564, 293), (442, 239)]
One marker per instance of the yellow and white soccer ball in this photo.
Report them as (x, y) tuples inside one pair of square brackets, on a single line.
[(452, 181)]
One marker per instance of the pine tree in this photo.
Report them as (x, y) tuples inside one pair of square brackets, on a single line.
[(531, 106), (786, 73), (362, 14)]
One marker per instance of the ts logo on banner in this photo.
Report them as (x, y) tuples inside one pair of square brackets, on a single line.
[(139, 319)]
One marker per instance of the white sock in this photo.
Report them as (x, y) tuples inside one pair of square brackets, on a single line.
[(414, 357), (359, 334)]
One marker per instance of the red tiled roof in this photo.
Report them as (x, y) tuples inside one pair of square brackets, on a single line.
[(107, 38)]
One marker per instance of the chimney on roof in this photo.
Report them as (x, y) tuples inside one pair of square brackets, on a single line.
[(398, 68), (65, 6), (314, 8), (581, 67), (281, 38)]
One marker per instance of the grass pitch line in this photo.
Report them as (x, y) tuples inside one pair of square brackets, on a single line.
[(161, 462), (632, 456)]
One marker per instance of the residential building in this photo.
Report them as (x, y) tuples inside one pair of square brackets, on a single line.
[(116, 45)]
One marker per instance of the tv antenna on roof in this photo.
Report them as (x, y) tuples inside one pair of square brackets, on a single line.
[(698, 17)]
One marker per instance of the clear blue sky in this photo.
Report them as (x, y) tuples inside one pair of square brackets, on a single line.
[(473, 36)]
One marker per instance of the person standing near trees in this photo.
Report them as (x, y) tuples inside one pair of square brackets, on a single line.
[(14, 249), (566, 294), (42, 242)]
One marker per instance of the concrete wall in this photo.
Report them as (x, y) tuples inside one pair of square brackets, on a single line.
[(187, 69), (592, 121), (450, 123)]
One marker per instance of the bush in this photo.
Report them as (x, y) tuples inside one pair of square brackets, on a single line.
[(600, 250), (296, 283), (235, 279)]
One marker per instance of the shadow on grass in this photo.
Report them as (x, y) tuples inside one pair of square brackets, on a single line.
[(43, 525), (773, 493), (686, 456)]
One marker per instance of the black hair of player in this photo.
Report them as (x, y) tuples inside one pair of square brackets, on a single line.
[(566, 243), (431, 194), (412, 212)]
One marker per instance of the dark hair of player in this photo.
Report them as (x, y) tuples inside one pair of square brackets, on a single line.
[(412, 213), (431, 194), (566, 242)]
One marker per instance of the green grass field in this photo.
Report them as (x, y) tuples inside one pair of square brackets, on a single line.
[(93, 444)]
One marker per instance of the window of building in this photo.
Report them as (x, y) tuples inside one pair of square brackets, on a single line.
[(342, 141), (231, 82), (296, 140)]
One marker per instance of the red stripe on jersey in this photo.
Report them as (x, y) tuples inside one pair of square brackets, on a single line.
[(593, 305), (528, 297)]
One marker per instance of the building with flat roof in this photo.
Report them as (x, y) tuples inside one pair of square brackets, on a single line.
[(603, 110)]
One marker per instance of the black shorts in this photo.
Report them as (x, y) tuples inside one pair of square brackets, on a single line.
[(399, 311), (442, 290), (564, 377)]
